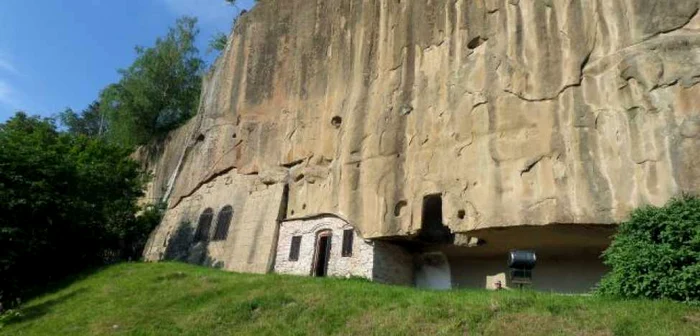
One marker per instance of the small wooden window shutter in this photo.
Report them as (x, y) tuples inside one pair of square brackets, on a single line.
[(294, 249), (348, 236)]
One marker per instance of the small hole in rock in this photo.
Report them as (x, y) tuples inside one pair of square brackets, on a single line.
[(461, 214), (303, 207), (200, 137), (399, 206), (475, 42), (292, 212), (336, 121), (299, 178), (234, 135)]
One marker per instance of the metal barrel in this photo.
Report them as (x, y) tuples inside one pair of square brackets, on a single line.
[(522, 259)]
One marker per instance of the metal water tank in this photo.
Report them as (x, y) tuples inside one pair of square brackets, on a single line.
[(523, 260)]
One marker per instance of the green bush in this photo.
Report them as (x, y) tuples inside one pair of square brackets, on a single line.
[(67, 203), (656, 254)]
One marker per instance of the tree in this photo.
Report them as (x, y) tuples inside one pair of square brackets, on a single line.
[(159, 91), (656, 253), (90, 122), (67, 202), (218, 42)]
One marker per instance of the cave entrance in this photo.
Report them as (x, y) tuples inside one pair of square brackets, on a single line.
[(323, 253), (432, 228)]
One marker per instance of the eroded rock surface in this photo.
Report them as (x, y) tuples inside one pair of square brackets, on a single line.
[(516, 112)]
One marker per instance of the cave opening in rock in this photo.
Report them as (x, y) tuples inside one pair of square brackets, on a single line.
[(432, 228)]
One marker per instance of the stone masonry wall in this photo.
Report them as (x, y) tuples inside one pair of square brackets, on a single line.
[(359, 264), (392, 264)]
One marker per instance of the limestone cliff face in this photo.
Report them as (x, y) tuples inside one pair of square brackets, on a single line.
[(517, 112)]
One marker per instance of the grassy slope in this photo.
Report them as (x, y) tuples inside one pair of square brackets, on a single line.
[(176, 299)]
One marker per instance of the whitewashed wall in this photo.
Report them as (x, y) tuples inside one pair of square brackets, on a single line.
[(359, 264)]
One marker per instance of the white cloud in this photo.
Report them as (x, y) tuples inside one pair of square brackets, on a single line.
[(7, 94), (6, 65)]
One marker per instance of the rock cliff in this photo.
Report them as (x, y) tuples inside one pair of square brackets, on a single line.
[(528, 112)]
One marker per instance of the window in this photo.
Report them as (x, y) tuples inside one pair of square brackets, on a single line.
[(294, 249), (348, 235), (204, 225), (223, 222)]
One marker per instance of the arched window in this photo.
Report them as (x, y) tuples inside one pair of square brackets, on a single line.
[(223, 222), (204, 225)]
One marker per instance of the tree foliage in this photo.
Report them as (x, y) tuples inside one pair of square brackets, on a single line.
[(90, 122), (159, 91), (656, 254), (67, 202), (218, 42)]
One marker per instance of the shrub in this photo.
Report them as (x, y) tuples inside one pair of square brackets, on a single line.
[(67, 203), (656, 254)]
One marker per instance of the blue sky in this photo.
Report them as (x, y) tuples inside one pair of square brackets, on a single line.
[(60, 53)]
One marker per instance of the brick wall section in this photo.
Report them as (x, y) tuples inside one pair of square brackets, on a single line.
[(252, 234)]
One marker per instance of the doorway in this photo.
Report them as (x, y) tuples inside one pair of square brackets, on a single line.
[(323, 252)]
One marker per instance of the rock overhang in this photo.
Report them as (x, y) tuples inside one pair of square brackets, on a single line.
[(516, 113)]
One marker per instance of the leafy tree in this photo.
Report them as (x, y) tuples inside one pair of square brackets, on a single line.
[(656, 254), (67, 202), (218, 42), (90, 122), (159, 91)]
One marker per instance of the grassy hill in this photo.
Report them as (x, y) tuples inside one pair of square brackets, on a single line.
[(177, 299)]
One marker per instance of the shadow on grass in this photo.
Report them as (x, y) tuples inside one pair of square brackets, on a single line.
[(39, 310), (51, 287), (60, 283)]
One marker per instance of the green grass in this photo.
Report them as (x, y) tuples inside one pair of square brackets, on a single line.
[(177, 299)]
